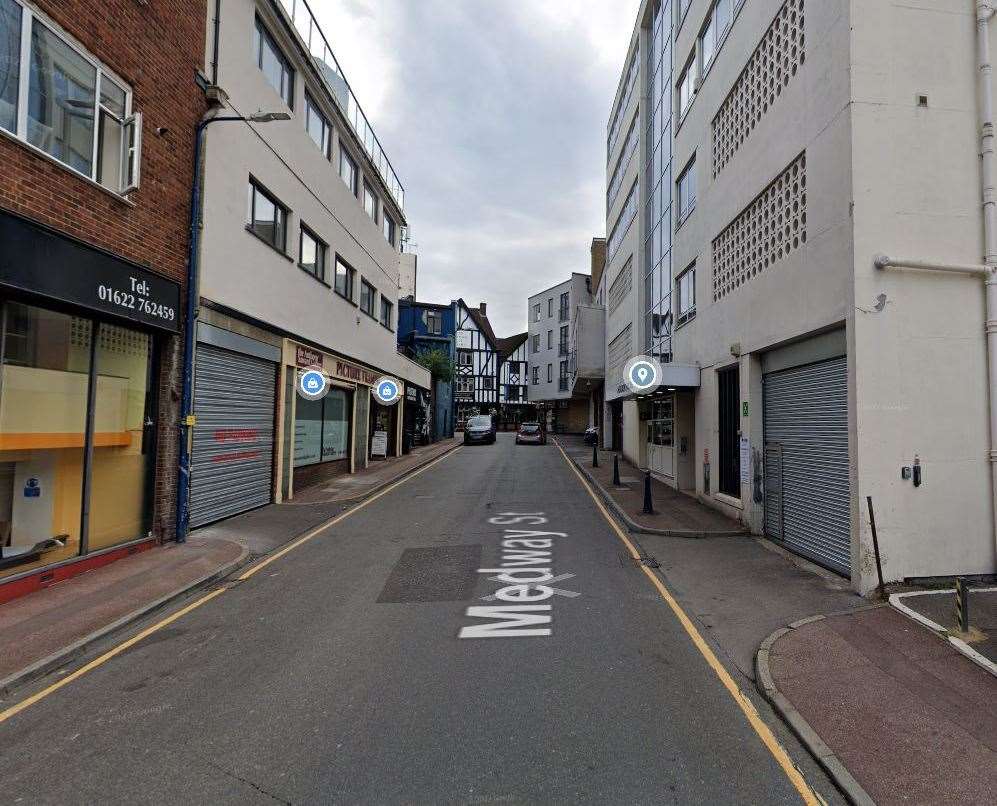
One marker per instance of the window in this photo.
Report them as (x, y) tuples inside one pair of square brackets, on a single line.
[(368, 296), (386, 312), (562, 378), (717, 24), (562, 345), (550, 373), (312, 253), (465, 383), (622, 224), (660, 423), (536, 375), (274, 64), (267, 217), (488, 382), (388, 227), (434, 323), (562, 312), (550, 307), (512, 392), (345, 279), (617, 118), (370, 201), (536, 312), (685, 287), (687, 86), (686, 195), (318, 126), (464, 358), (550, 339), (73, 109), (622, 163), (322, 428), (536, 342), (348, 170)]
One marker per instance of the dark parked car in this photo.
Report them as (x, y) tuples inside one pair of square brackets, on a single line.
[(480, 428), (530, 434)]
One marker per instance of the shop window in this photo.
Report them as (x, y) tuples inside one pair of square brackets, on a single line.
[(322, 429), (44, 383), (123, 438), (661, 424)]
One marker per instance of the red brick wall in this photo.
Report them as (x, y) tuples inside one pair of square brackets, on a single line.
[(156, 47)]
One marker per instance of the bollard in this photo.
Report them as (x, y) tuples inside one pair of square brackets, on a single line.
[(961, 605), (616, 470), (648, 509), (595, 454)]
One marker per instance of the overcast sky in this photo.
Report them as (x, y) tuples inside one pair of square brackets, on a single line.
[(493, 113)]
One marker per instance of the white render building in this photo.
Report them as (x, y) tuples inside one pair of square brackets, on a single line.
[(760, 155), (299, 268)]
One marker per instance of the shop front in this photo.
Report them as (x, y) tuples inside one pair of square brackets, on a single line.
[(417, 428), (81, 334)]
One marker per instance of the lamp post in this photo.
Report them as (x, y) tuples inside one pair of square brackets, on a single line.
[(193, 273)]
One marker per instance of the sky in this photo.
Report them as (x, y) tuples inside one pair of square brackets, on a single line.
[(493, 114)]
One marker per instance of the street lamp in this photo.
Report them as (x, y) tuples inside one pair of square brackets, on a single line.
[(193, 274)]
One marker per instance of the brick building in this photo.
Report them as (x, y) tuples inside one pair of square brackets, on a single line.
[(98, 107)]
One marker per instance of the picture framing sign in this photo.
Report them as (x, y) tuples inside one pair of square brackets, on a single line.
[(387, 390)]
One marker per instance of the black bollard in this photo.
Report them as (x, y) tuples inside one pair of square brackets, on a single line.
[(595, 454), (616, 470), (648, 509)]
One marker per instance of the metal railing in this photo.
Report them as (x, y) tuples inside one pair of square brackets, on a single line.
[(562, 348), (562, 384), (311, 34)]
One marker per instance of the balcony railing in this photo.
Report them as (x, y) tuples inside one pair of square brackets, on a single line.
[(562, 384), (311, 34), (562, 348)]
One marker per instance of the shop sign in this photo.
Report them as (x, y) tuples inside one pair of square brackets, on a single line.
[(352, 372), (387, 390), (411, 393), (306, 357), (312, 385), (379, 444), (41, 261)]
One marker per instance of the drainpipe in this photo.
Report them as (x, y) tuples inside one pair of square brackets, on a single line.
[(988, 271)]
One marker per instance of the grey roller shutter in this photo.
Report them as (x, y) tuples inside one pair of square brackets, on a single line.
[(807, 497), (233, 437)]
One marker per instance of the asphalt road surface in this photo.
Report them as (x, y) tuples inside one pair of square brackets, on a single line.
[(371, 664)]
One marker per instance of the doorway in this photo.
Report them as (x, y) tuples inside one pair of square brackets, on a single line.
[(728, 396)]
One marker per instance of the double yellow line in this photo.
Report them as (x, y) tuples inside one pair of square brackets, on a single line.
[(254, 569), (764, 733)]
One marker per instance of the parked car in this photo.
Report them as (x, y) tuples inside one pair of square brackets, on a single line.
[(480, 428), (591, 435), (530, 434)]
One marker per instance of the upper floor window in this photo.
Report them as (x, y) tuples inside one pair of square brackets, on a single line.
[(370, 201), (73, 109), (536, 312), (550, 307), (434, 323), (387, 309), (536, 342), (313, 253), (536, 374), (717, 24), (550, 339), (348, 170), (687, 86), (550, 373), (464, 358), (562, 311), (274, 64), (686, 191), (317, 125), (345, 279), (267, 217), (388, 227), (488, 382), (368, 296), (685, 288)]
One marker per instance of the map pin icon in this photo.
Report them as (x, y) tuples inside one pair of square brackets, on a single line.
[(642, 373)]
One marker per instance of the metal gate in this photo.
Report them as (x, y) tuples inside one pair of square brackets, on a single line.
[(232, 463), (729, 404), (807, 499)]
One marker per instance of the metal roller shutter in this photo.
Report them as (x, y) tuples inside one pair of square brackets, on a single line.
[(807, 500), (232, 463)]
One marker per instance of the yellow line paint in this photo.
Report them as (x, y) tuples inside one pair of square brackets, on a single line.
[(756, 722), (117, 650)]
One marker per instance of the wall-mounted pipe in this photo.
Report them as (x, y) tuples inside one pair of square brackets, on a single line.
[(884, 262)]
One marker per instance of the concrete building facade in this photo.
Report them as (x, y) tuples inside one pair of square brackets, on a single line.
[(806, 138), (300, 253)]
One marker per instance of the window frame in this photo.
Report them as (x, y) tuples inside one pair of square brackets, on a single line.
[(461, 354), (681, 317), (258, 187), (312, 108), (689, 74), (351, 279), (487, 383), (550, 373), (550, 307), (434, 317), (536, 374), (321, 253), (388, 227), (536, 312), (262, 33), (368, 190), (682, 212), (550, 339), (389, 306), (130, 149), (536, 343), (367, 286), (345, 155)]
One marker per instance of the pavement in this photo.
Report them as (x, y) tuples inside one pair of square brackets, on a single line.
[(911, 719), (675, 513), (937, 609), (354, 666), (45, 629)]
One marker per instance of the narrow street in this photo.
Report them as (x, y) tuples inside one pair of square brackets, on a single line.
[(348, 670)]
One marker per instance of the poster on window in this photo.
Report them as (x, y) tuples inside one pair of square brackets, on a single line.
[(307, 442)]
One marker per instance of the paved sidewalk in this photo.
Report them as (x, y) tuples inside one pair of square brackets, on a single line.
[(675, 513), (48, 627), (911, 719), (938, 607)]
